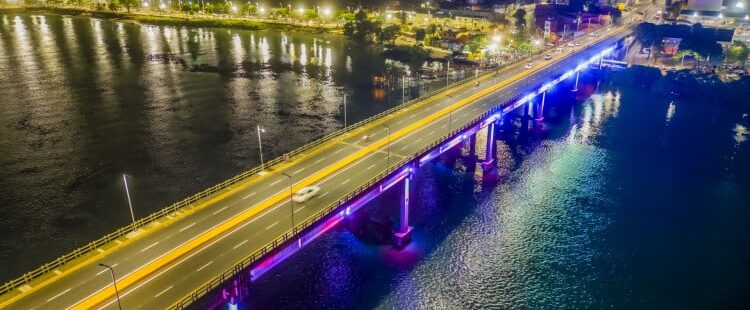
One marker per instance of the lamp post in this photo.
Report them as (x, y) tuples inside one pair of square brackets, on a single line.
[(345, 110), (130, 202), (291, 202), (388, 146), (447, 73), (260, 148), (403, 88), (114, 283)]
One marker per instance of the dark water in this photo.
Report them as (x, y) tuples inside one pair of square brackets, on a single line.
[(627, 200), (86, 100)]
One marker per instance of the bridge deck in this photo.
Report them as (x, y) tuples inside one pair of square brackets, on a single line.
[(158, 268)]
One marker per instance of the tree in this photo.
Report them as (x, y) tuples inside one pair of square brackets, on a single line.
[(388, 34), (738, 52), (476, 43), (520, 16), (675, 9), (419, 34), (113, 5), (361, 29), (310, 14), (248, 9)]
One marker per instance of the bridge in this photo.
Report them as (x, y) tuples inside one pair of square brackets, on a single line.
[(248, 224)]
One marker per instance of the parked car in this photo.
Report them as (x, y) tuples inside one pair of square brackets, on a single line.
[(548, 57), (559, 49), (305, 193), (529, 65)]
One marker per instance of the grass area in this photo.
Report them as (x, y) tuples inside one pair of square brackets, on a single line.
[(197, 21)]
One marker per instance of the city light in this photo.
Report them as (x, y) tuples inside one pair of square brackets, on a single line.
[(739, 5), (261, 10), (301, 10), (389, 16), (496, 38), (327, 11), (234, 9)]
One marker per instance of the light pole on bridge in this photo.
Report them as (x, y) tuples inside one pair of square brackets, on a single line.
[(130, 202), (291, 202), (388, 146), (260, 149), (114, 283)]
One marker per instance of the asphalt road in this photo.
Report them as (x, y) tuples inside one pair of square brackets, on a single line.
[(177, 278)]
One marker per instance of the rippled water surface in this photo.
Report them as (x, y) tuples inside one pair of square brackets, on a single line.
[(84, 100)]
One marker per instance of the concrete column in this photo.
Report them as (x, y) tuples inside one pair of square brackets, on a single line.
[(402, 237), (473, 145), (539, 108)]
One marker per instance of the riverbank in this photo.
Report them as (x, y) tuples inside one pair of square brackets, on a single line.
[(174, 19), (688, 84)]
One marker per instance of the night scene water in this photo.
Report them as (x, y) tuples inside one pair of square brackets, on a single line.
[(621, 198)]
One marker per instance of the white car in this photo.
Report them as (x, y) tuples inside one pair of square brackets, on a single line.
[(305, 193), (548, 57), (559, 49), (529, 65), (570, 44)]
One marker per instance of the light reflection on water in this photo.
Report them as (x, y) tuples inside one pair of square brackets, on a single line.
[(85, 100)]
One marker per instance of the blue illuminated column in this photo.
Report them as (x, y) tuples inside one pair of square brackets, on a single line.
[(402, 237), (575, 87), (539, 108)]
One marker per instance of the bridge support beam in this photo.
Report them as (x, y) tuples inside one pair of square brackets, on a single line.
[(575, 87), (539, 108), (402, 236)]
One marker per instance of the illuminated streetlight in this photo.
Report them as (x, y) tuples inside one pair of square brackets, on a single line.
[(261, 10), (496, 38), (327, 11), (260, 148), (739, 5), (130, 202), (389, 16), (114, 282), (301, 10), (234, 9)]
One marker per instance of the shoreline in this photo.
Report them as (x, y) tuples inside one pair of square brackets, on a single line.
[(170, 19)]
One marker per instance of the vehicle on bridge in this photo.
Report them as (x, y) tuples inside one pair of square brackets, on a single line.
[(305, 193)]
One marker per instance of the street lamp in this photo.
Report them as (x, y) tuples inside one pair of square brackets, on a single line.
[(130, 202), (344, 110), (114, 282), (260, 148), (327, 12), (291, 202), (388, 146)]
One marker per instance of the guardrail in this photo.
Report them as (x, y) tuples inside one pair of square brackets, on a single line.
[(214, 283), (191, 201)]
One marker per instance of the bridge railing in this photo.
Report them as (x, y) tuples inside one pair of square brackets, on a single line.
[(216, 282)]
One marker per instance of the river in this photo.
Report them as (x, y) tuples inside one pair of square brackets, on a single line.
[(176, 109), (620, 199)]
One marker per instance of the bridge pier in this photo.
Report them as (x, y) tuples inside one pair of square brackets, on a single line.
[(578, 73), (489, 151), (539, 108), (402, 236)]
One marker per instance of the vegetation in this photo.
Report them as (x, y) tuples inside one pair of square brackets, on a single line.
[(695, 38), (414, 56), (738, 52), (364, 30)]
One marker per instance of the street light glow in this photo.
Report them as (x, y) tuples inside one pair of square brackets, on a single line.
[(496, 38), (301, 10), (327, 11)]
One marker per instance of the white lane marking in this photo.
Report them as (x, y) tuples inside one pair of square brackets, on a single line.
[(239, 244), (106, 269), (370, 166), (399, 122), (144, 282), (186, 227), (413, 116), (403, 147), (299, 170), (272, 225), (274, 183), (204, 266), (222, 209), (431, 132), (420, 139), (297, 209), (164, 291), (250, 195), (150, 246), (58, 295), (324, 194), (345, 181), (339, 151), (319, 160)]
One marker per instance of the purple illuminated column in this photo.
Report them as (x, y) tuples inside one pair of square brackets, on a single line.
[(402, 237), (489, 156), (539, 108)]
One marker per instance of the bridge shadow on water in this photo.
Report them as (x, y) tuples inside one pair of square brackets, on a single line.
[(354, 266)]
